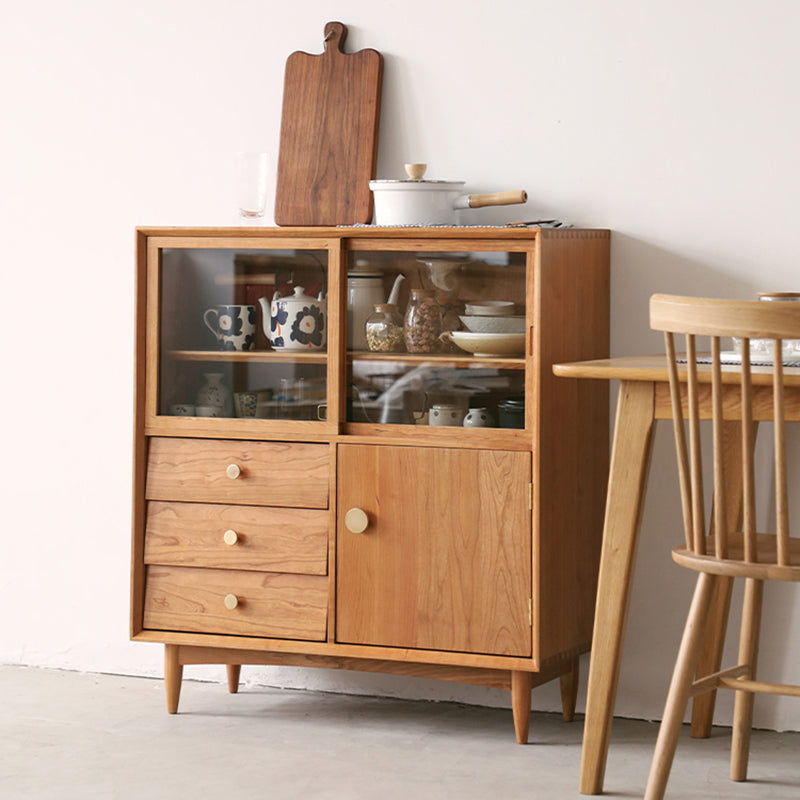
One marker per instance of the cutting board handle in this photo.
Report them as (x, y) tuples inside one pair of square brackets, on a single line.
[(335, 34)]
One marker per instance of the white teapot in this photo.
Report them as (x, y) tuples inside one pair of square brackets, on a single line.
[(296, 322)]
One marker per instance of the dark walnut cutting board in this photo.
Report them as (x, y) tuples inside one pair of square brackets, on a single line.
[(329, 134)]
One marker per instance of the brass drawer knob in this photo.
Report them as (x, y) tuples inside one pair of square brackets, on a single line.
[(356, 520), (230, 537), (231, 601), (233, 471)]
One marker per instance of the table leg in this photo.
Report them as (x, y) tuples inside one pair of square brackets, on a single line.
[(630, 462)]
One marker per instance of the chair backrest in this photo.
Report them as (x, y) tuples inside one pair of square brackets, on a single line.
[(716, 319)]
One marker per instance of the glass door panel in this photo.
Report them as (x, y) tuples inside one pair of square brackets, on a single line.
[(243, 333), (449, 349)]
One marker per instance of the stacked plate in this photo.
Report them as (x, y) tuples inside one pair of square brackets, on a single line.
[(492, 329)]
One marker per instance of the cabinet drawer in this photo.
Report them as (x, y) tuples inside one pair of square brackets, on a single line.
[(268, 604), (237, 537), (253, 473)]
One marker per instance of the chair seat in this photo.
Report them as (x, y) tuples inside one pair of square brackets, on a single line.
[(735, 565)]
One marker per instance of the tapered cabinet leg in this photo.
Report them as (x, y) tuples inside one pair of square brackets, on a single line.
[(233, 677), (521, 685), (569, 691), (173, 673)]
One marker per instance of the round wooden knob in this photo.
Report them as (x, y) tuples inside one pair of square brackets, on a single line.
[(233, 471), (356, 520), (415, 171), (231, 601), (230, 537)]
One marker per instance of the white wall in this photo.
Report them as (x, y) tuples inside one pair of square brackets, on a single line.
[(674, 124)]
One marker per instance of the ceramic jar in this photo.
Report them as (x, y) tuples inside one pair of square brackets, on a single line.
[(444, 414), (214, 394), (384, 329), (423, 323), (511, 413), (364, 291), (478, 418)]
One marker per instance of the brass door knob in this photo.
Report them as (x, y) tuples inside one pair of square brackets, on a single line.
[(356, 520), (233, 471), (230, 537), (231, 601)]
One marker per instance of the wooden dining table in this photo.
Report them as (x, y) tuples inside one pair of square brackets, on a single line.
[(644, 397)]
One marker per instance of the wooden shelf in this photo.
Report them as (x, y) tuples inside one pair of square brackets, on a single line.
[(449, 359), (317, 357), (251, 356)]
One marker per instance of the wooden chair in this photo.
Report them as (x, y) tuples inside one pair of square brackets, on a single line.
[(726, 551)]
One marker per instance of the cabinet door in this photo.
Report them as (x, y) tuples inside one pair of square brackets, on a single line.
[(445, 560)]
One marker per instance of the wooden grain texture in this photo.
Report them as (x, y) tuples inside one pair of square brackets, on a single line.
[(329, 134), (446, 560), (570, 421), (268, 539), (269, 604), (272, 473), (630, 463)]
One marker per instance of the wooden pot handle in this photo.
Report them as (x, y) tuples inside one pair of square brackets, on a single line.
[(498, 199)]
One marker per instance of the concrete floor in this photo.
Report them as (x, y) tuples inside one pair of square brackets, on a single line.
[(72, 735)]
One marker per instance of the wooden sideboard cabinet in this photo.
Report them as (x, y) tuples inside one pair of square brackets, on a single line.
[(304, 507)]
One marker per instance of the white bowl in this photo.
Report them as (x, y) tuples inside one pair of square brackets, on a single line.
[(488, 344), (490, 308), (479, 324)]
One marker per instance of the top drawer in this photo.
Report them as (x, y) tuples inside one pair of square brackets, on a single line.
[(291, 474)]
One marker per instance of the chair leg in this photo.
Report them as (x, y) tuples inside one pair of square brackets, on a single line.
[(682, 679), (748, 654)]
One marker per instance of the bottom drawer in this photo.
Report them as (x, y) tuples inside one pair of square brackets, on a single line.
[(237, 603)]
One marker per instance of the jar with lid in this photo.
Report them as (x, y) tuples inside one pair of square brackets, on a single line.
[(423, 323), (384, 329), (364, 290)]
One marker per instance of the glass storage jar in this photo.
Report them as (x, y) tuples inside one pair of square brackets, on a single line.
[(423, 323), (384, 329)]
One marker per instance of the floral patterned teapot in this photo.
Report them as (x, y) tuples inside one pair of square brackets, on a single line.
[(296, 322)]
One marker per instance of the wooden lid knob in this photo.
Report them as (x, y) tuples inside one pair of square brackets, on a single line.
[(356, 520), (230, 536), (415, 171), (231, 601)]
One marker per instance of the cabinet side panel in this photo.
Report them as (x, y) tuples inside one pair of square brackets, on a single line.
[(570, 484), (139, 441)]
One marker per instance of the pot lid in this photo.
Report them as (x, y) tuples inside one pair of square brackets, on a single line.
[(415, 181), (406, 183)]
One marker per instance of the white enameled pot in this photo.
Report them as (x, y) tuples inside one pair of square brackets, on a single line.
[(419, 202)]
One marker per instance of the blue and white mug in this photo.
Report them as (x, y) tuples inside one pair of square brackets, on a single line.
[(233, 325)]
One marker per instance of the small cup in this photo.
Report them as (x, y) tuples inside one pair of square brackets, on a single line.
[(208, 411), (181, 410), (245, 404), (444, 414)]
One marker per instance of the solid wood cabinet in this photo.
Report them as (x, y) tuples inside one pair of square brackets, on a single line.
[(304, 506)]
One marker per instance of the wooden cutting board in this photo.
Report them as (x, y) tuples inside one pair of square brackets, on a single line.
[(329, 134)]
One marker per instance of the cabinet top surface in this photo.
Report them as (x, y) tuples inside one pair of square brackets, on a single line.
[(373, 232)]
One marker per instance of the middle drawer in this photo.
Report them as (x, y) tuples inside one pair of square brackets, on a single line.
[(237, 537)]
